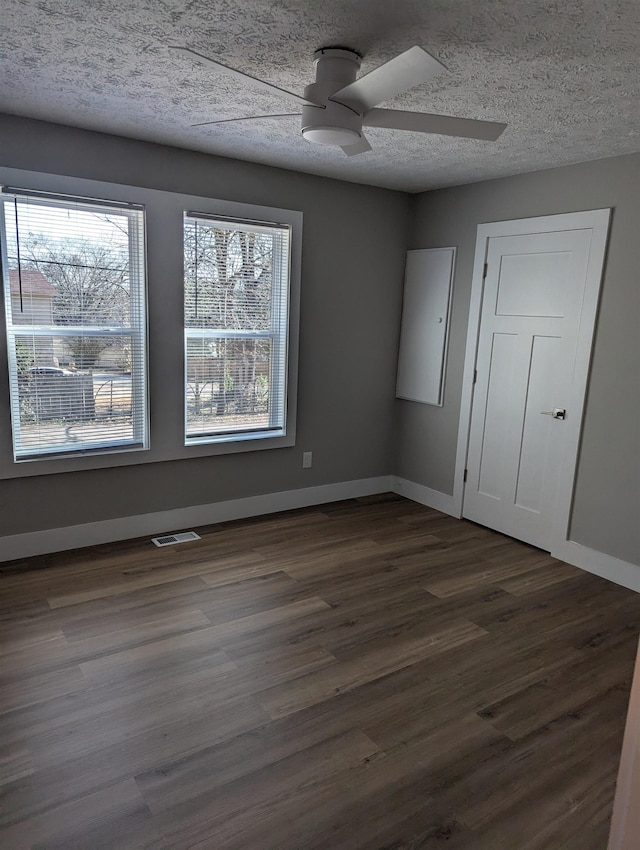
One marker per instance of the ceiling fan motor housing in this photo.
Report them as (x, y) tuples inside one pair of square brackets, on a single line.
[(335, 124)]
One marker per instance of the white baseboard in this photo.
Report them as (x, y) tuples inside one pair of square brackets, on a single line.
[(442, 502), (600, 564), (163, 522)]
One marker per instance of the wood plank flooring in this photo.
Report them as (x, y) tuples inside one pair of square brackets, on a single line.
[(367, 675)]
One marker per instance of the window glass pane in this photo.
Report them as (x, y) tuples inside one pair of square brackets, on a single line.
[(68, 265), (236, 318), (63, 409), (227, 385), (228, 276), (75, 305)]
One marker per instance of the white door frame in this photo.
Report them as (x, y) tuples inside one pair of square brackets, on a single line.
[(598, 222), (625, 822)]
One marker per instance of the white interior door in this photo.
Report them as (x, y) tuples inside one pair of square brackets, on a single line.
[(522, 421)]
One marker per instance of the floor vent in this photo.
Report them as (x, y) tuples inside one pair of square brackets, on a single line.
[(172, 539)]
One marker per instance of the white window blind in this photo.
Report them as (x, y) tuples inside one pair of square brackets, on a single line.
[(236, 320), (75, 307)]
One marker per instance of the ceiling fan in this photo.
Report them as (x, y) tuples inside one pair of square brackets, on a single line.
[(337, 106)]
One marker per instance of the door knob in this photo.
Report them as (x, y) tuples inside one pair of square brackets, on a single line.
[(556, 413)]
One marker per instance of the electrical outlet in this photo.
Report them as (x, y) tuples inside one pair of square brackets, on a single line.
[(307, 460)]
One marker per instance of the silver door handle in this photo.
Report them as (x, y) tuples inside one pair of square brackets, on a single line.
[(557, 413)]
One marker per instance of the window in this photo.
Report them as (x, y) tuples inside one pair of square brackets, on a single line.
[(81, 381), (74, 294), (236, 305)]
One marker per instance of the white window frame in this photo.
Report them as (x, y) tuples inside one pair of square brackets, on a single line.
[(277, 334), (137, 329), (164, 212)]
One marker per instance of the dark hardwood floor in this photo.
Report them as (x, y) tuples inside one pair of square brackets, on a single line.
[(370, 674)]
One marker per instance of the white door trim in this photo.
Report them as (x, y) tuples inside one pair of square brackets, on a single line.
[(598, 222), (625, 823)]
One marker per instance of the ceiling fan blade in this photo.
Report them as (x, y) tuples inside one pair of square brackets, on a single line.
[(424, 122), (239, 75), (360, 147), (407, 70), (248, 118)]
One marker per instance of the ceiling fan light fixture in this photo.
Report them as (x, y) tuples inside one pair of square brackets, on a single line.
[(326, 135), (331, 124), (336, 105)]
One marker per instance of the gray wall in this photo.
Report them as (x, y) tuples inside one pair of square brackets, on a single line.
[(606, 514), (354, 245)]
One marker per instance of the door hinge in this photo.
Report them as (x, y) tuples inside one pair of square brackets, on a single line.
[(475, 375), (485, 270), (464, 478)]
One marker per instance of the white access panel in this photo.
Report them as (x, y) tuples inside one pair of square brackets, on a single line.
[(425, 325)]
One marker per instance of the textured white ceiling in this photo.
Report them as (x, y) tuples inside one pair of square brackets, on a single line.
[(562, 73)]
